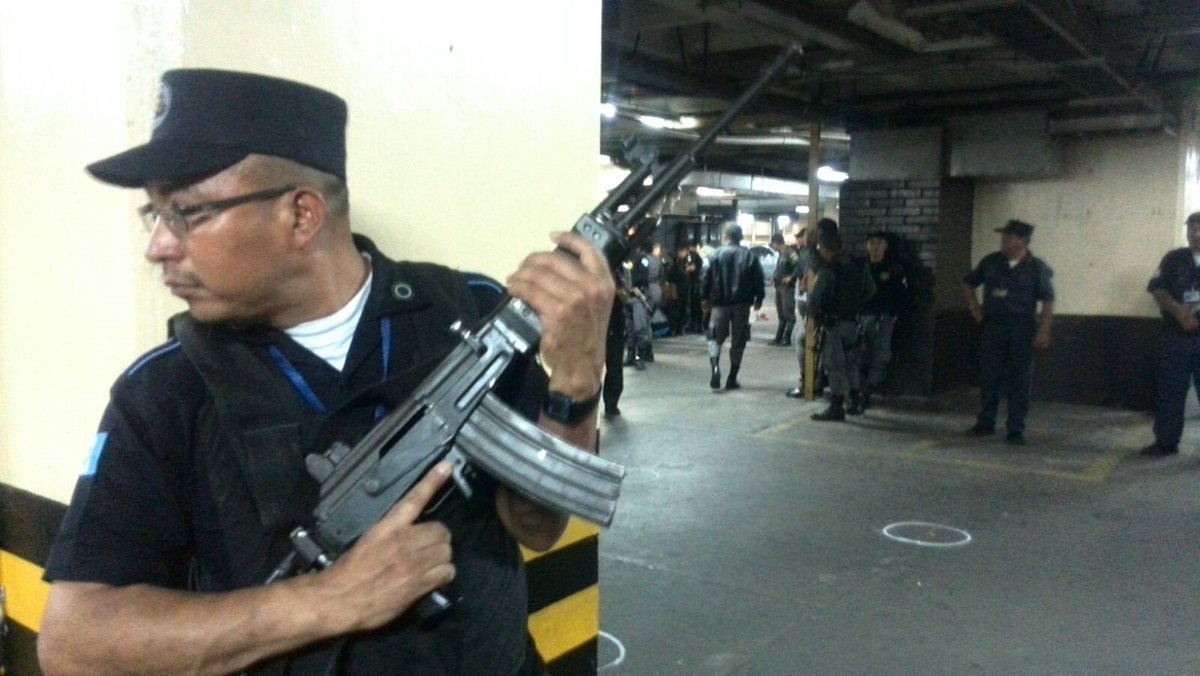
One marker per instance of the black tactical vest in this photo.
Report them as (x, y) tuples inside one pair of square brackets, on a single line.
[(255, 429)]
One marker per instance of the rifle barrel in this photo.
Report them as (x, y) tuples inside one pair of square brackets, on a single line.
[(682, 164)]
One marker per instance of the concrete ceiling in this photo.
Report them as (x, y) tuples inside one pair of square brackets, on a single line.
[(1091, 66)]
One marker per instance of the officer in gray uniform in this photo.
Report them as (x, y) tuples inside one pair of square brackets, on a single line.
[(785, 295), (842, 285)]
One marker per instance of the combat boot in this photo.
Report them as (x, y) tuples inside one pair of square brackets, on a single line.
[(855, 406), (778, 340), (835, 412), (715, 381), (731, 383)]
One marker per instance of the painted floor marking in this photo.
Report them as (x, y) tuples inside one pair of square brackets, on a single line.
[(961, 536), (1095, 472)]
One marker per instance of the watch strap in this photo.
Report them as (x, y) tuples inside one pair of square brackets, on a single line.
[(564, 409)]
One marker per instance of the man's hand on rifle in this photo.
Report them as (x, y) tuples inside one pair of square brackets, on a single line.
[(572, 296), (392, 566)]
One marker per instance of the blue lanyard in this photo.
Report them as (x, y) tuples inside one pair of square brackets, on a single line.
[(306, 391)]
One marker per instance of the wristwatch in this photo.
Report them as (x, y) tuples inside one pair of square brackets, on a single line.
[(561, 408)]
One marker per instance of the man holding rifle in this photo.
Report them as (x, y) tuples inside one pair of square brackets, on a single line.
[(197, 475)]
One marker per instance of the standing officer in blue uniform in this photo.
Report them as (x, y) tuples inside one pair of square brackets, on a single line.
[(1176, 288), (1014, 282)]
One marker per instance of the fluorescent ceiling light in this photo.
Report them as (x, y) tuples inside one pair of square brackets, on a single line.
[(655, 122), (831, 175), (705, 191), (608, 110), (802, 209), (652, 121)]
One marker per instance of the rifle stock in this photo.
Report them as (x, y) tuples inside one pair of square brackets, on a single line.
[(453, 415)]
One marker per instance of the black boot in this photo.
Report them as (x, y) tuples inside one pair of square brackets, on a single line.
[(835, 412), (865, 402), (778, 335), (648, 353), (855, 406), (715, 381), (787, 333), (630, 356), (731, 383)]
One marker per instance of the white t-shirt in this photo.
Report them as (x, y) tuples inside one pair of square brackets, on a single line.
[(329, 337)]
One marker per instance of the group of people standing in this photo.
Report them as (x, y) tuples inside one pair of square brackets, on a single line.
[(852, 303), (650, 284)]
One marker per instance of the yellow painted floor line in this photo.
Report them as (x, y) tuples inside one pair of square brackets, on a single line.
[(1094, 473), (918, 448)]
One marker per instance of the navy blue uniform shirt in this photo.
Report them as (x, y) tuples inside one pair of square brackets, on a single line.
[(1179, 275), (1012, 291)]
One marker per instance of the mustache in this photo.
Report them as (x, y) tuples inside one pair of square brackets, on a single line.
[(172, 277)]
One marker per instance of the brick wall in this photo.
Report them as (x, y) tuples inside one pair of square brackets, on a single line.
[(931, 224), (909, 209)]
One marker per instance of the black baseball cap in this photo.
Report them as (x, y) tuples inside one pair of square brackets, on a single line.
[(1018, 228), (208, 120)]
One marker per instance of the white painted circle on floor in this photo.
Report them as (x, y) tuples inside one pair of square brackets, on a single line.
[(926, 534), (620, 658)]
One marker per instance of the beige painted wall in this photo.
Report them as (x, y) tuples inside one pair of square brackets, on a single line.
[(1105, 223), (473, 132)]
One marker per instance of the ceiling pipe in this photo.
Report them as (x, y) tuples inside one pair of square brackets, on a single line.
[(865, 15), (759, 140)]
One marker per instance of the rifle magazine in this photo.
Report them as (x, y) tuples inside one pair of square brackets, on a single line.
[(539, 465)]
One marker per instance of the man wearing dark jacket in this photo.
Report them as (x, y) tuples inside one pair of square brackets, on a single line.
[(733, 282)]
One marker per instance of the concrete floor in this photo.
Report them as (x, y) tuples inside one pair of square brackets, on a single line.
[(749, 538)]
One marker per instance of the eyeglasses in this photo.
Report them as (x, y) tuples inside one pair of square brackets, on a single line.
[(180, 220)]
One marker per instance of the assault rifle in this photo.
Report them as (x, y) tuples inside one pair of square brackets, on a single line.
[(454, 416)]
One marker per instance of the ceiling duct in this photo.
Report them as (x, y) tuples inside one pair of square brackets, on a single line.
[(1128, 122), (866, 15)]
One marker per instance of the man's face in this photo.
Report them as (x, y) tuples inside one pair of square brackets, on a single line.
[(876, 248), (1193, 235), (233, 265), (1012, 246)]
